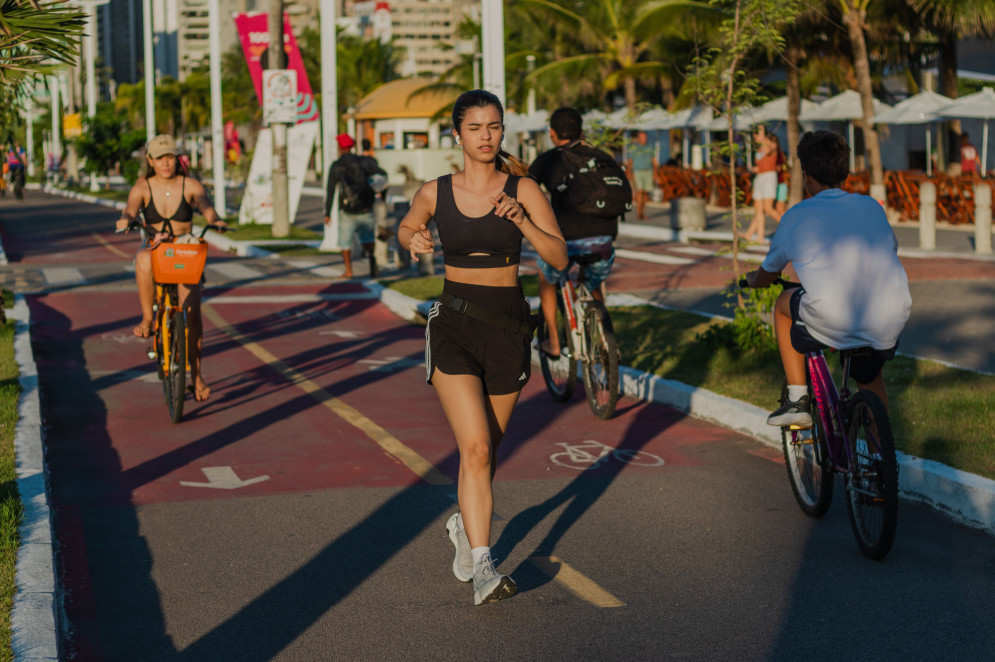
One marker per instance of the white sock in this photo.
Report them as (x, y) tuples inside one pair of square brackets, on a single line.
[(795, 392), (479, 553)]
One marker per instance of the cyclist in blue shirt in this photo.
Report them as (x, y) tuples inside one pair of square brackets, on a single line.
[(854, 291)]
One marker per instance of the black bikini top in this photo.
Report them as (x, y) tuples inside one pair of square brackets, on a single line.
[(183, 213), (499, 239)]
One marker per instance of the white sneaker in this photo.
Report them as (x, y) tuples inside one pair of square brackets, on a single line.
[(463, 563), (488, 585)]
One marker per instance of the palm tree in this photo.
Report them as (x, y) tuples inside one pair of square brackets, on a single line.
[(614, 38), (854, 19), (33, 34)]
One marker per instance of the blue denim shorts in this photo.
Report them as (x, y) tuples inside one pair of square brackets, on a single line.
[(595, 273), (362, 224)]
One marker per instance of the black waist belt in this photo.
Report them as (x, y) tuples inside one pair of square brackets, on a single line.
[(478, 312)]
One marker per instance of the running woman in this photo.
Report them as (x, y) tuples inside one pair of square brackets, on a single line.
[(479, 333)]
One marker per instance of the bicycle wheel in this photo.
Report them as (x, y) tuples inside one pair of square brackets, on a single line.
[(601, 363), (872, 482), (174, 363), (807, 459), (559, 373)]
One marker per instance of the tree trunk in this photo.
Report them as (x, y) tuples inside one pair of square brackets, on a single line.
[(854, 19), (948, 88), (630, 94), (796, 192)]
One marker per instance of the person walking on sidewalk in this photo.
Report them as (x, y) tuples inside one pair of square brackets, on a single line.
[(641, 165), (764, 186), (551, 169), (478, 335), (167, 198), (351, 174)]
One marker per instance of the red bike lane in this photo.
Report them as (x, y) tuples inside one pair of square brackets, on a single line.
[(314, 389)]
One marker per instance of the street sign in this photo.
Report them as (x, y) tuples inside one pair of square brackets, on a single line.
[(279, 96)]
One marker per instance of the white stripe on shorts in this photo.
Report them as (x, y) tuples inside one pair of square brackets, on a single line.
[(432, 314)]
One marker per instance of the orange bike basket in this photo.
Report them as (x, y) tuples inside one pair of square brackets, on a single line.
[(178, 263)]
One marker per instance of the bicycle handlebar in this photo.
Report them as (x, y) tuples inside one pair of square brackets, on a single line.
[(136, 224), (743, 285)]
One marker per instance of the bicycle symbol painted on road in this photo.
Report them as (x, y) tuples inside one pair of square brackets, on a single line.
[(591, 454)]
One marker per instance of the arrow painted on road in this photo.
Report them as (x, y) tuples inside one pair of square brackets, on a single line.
[(223, 478)]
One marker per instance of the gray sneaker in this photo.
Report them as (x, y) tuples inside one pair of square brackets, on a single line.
[(463, 563), (792, 412), (488, 585)]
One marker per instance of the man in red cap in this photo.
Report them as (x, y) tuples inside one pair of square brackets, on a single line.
[(351, 174)]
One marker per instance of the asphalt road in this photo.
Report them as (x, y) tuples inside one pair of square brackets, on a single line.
[(299, 514)]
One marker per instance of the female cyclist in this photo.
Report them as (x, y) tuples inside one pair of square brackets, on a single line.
[(478, 336), (168, 198)]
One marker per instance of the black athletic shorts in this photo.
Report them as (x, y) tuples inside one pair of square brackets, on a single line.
[(458, 344), (864, 368)]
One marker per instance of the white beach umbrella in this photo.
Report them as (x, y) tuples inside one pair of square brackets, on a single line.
[(842, 107), (917, 109), (980, 105)]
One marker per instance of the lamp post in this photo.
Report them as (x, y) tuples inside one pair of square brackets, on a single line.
[(277, 60), (149, 71), (90, 65), (492, 27), (217, 119)]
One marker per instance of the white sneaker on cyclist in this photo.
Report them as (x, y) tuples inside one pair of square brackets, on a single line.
[(792, 412), (488, 585), (463, 563)]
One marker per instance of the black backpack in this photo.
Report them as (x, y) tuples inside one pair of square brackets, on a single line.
[(355, 193), (594, 184)]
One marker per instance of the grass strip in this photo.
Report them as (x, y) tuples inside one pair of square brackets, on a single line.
[(937, 412), (258, 231), (10, 501)]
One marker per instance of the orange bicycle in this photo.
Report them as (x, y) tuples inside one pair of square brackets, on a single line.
[(173, 263)]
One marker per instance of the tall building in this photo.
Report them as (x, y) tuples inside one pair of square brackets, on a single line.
[(425, 28), (193, 30)]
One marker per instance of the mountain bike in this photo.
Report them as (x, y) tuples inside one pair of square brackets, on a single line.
[(586, 335), (173, 264), (851, 435)]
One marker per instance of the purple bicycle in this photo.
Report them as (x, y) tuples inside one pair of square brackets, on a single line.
[(850, 435)]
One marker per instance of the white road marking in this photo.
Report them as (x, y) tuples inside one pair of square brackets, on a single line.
[(651, 257), (341, 334), (693, 250), (235, 271), (62, 275), (223, 478), (323, 272)]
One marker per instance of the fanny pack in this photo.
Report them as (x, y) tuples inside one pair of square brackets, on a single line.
[(525, 327)]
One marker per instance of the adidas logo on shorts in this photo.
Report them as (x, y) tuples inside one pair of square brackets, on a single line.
[(522, 377)]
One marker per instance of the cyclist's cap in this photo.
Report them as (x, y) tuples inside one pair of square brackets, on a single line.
[(162, 145), (345, 141)]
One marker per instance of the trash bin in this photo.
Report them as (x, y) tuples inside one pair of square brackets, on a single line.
[(687, 214)]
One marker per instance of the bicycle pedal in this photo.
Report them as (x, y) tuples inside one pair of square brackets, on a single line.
[(150, 352)]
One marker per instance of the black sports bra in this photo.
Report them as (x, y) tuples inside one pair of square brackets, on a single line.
[(183, 213), (499, 238)]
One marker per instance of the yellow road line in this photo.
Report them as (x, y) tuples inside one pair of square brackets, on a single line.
[(111, 247), (391, 444), (577, 583)]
